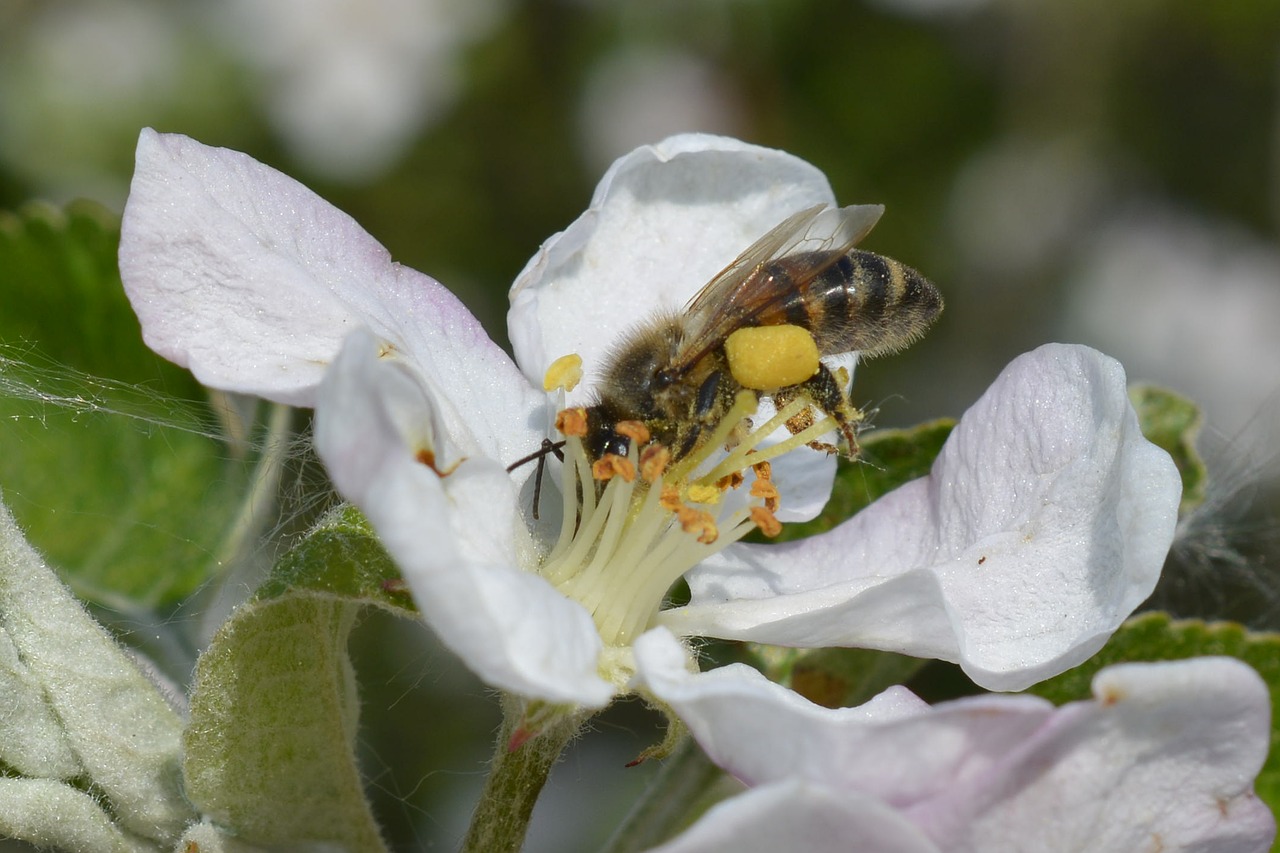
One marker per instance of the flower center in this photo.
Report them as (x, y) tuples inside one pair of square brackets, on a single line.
[(633, 525)]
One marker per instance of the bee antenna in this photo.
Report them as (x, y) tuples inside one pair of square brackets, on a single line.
[(548, 447)]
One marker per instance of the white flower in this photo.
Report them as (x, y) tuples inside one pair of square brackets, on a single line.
[(1163, 758), (1044, 523)]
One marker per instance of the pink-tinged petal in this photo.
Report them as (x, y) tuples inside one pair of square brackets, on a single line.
[(762, 732), (450, 523), (1164, 758), (1044, 523), (801, 817), (253, 281)]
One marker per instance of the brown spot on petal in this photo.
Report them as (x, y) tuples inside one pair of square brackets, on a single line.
[(427, 457), (1110, 695)]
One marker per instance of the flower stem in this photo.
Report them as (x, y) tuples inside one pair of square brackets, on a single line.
[(686, 786), (519, 770)]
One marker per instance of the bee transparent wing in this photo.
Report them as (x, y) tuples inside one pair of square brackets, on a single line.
[(743, 290)]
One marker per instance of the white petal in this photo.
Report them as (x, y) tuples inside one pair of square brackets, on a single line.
[(1044, 522), (762, 732), (253, 281), (1163, 759), (665, 219), (799, 816), (456, 537)]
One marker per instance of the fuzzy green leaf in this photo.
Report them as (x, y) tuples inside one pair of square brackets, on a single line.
[(121, 480), (83, 711), (342, 557), (270, 751)]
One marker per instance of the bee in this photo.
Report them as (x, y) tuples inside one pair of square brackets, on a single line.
[(679, 374)]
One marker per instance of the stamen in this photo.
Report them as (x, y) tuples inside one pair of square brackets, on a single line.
[(612, 465), (564, 373), (766, 521), (625, 539), (572, 422)]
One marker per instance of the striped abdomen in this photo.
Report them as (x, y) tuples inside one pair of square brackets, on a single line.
[(858, 301)]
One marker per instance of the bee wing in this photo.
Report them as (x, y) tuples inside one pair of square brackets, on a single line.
[(742, 290)]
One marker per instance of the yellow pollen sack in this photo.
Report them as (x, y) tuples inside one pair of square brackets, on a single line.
[(766, 358)]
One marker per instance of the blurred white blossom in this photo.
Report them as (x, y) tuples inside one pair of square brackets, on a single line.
[(348, 84), (640, 94), (1190, 304)]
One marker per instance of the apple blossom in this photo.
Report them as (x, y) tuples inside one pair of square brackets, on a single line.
[(1044, 522), (1162, 758)]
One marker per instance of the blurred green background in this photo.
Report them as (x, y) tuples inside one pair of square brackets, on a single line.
[(1097, 172)]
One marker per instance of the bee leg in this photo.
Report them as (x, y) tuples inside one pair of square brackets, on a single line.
[(828, 393)]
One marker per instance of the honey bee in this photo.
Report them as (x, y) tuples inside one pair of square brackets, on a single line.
[(678, 375)]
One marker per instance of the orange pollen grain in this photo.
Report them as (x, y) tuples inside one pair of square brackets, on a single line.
[(700, 522), (634, 430), (764, 471), (768, 491), (653, 462), (612, 465), (766, 521), (730, 481), (572, 422), (670, 499)]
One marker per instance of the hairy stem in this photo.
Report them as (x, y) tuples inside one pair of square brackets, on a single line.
[(520, 768)]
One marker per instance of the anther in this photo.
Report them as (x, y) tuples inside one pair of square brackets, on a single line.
[(699, 522), (653, 462), (572, 422), (766, 521), (612, 465)]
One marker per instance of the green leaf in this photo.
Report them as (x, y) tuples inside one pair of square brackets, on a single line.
[(105, 725), (342, 557), (1172, 423), (121, 478), (269, 752), (1156, 637), (889, 458), (54, 815)]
